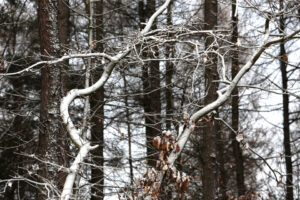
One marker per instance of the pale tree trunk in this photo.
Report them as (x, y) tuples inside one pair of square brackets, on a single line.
[(211, 87), (286, 120), (50, 128), (97, 105), (237, 151)]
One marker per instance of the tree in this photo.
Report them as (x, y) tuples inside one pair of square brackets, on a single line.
[(286, 120), (237, 151), (63, 28), (211, 87), (51, 133), (97, 104), (169, 75), (151, 86)]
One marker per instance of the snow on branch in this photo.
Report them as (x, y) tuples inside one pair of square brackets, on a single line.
[(74, 132), (223, 95), (73, 170), (61, 59)]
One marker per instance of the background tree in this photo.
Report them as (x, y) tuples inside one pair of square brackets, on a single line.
[(51, 137), (97, 106), (237, 151)]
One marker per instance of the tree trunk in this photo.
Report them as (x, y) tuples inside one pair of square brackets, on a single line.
[(169, 75), (151, 89), (50, 130), (210, 129), (286, 123), (128, 130), (64, 37), (97, 104), (221, 159), (237, 151)]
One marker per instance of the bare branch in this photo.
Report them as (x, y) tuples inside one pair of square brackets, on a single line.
[(223, 96), (58, 60), (75, 133)]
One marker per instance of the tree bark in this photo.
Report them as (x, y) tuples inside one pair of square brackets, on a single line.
[(237, 151), (211, 87), (286, 120), (63, 25), (169, 75), (128, 130), (151, 89), (221, 159), (97, 104), (50, 130), (64, 39)]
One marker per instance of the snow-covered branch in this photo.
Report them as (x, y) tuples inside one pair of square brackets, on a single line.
[(61, 59), (74, 132), (223, 95), (73, 170)]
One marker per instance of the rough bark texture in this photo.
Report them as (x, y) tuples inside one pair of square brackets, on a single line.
[(151, 89), (286, 123), (210, 129), (169, 75), (128, 130), (221, 159), (63, 25), (50, 96), (97, 104), (237, 151)]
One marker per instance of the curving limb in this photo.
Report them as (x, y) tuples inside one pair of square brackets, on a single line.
[(75, 133)]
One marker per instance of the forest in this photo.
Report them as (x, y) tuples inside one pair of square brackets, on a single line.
[(149, 99)]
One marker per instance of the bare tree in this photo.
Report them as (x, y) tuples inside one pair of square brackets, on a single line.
[(237, 151), (151, 85), (286, 118), (50, 127), (97, 104), (211, 88)]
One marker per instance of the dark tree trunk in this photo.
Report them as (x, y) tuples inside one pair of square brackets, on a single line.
[(211, 87), (128, 130), (286, 123), (63, 25), (50, 128), (221, 159), (97, 105), (237, 151), (151, 89), (169, 75), (155, 110)]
